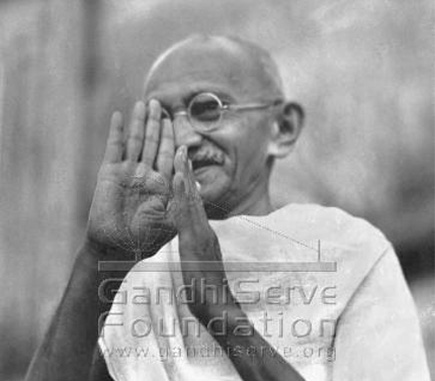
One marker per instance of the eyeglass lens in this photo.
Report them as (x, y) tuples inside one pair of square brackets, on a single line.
[(204, 109)]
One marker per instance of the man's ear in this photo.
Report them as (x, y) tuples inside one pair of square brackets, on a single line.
[(286, 129)]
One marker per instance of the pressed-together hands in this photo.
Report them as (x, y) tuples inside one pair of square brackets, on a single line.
[(198, 245)]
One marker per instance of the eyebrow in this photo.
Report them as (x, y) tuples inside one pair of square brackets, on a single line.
[(223, 94)]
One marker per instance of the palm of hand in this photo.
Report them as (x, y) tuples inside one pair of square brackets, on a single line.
[(129, 210)]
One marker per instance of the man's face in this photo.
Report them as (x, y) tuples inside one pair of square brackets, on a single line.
[(231, 161)]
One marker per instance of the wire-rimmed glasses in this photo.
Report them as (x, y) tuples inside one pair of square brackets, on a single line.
[(205, 110)]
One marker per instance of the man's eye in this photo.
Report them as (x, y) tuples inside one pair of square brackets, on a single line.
[(205, 109)]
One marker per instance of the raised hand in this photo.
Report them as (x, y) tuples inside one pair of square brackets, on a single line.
[(201, 260), (128, 215)]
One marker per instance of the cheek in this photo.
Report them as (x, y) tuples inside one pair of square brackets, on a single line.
[(252, 148), (245, 146)]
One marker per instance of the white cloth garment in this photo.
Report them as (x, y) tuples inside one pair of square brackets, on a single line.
[(330, 298)]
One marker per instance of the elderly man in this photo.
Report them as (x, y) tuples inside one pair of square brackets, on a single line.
[(227, 287)]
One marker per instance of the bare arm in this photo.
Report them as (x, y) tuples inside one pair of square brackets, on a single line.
[(198, 245), (66, 352), (128, 221)]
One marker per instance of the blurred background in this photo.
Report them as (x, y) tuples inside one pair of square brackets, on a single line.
[(363, 70)]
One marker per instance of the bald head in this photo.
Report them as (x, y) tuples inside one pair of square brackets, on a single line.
[(248, 67)]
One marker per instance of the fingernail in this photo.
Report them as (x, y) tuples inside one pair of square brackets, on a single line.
[(140, 107), (153, 104), (190, 165), (198, 185)]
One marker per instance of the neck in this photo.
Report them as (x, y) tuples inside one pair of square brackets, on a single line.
[(254, 203)]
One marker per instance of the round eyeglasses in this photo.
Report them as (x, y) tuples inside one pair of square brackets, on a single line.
[(205, 110)]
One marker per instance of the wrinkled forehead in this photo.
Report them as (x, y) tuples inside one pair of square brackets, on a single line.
[(217, 63)]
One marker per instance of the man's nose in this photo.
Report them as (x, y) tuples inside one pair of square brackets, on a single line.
[(184, 133)]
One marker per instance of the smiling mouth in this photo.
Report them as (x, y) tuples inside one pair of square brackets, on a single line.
[(203, 163)]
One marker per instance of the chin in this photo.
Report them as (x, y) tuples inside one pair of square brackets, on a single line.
[(215, 203), (215, 188)]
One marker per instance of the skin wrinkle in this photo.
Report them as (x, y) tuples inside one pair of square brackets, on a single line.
[(242, 73)]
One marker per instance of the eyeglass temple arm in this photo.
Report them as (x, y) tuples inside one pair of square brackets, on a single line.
[(252, 106)]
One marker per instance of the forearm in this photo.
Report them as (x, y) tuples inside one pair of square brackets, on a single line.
[(67, 349), (252, 356)]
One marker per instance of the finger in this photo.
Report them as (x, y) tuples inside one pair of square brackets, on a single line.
[(181, 168), (195, 236), (115, 141), (165, 158), (152, 133), (136, 133), (187, 198), (183, 165), (182, 213)]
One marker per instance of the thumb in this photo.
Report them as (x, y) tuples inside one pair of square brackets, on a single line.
[(189, 211), (181, 191)]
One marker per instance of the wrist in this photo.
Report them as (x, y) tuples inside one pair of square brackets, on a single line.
[(104, 252), (230, 312), (227, 325), (92, 256)]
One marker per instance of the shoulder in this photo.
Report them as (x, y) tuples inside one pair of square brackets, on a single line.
[(307, 224), (352, 239), (331, 221), (357, 247), (307, 233), (333, 226)]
